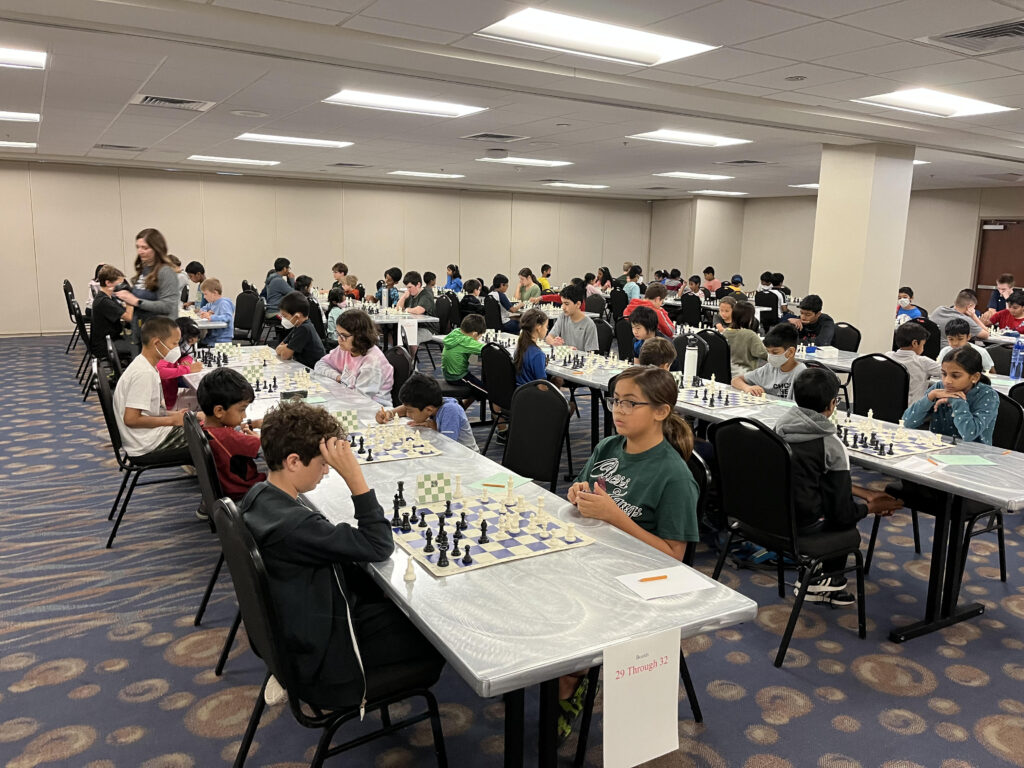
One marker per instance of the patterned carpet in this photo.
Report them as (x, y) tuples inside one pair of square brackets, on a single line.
[(100, 665)]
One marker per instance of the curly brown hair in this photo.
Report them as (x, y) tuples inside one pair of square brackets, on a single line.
[(296, 427), (363, 330)]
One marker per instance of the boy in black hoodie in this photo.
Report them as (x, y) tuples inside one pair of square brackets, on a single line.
[(342, 633), (824, 497)]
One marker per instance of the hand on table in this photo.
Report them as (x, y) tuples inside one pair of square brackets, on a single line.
[(195, 367), (557, 341), (575, 490), (597, 504), (756, 390)]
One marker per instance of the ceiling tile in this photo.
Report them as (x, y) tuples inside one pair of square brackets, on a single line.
[(340, 6), (742, 88), (816, 41), (989, 89), (285, 10), (1011, 59), (464, 16), (404, 31), (673, 78), (886, 58), (827, 9), (910, 19), (813, 74), (725, 64), (731, 21), (950, 73)]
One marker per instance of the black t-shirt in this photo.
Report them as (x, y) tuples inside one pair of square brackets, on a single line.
[(106, 321), (305, 344)]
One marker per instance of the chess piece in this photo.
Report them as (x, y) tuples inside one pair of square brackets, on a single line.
[(423, 519), (406, 527), (413, 517), (369, 454), (466, 559), (520, 502), (456, 552), (410, 572), (430, 538), (458, 487), (361, 448), (442, 558), (570, 532), (395, 519), (509, 497), (462, 524), (483, 533), (448, 508), (401, 491)]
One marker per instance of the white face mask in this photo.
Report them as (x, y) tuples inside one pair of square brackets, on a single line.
[(173, 354), (777, 361), (904, 302), (286, 323)]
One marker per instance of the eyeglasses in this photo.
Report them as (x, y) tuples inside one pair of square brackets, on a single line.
[(344, 336), (626, 406)]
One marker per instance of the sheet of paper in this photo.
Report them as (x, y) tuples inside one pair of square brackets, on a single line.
[(641, 697), (499, 479), (409, 330), (316, 399), (664, 582), (918, 465), (964, 460)]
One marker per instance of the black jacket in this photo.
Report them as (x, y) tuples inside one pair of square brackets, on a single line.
[(470, 305)]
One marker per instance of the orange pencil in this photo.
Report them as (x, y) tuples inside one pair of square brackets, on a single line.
[(1004, 453), (654, 578), (933, 461), (493, 485)]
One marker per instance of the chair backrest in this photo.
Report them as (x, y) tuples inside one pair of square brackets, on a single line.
[(689, 309), (749, 458), (492, 313), (316, 315), (624, 338), (244, 303), (718, 361), (769, 300), (184, 294), (499, 375), (847, 338), (443, 309), (923, 311), (681, 342), (106, 398), (1009, 424), (83, 329), (113, 359), (401, 362), (595, 303), (1017, 393), (455, 318), (69, 296), (540, 416), (618, 301), (202, 459), (880, 384), (248, 287), (605, 334), (259, 319), (1001, 355), (361, 292)]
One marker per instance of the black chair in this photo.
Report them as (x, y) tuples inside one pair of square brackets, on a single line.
[(131, 468), (266, 638), (499, 374), (718, 361), (184, 294), (690, 310), (69, 297), (624, 338), (882, 386), (618, 302), (1017, 393), (259, 320), (538, 426), (770, 301), (595, 303), (759, 459), (934, 344), (681, 342), (316, 316), (847, 338), (492, 313), (1001, 355), (114, 360), (249, 287), (605, 336), (923, 311), (86, 372), (244, 303), (401, 362), (443, 308)]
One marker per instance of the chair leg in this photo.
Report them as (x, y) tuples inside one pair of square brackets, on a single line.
[(87, 390), (440, 751), (917, 531), (120, 492), (588, 713), (569, 476), (805, 582), (385, 716), (871, 544), (124, 505), (494, 425), (722, 555), (862, 620), (250, 729), (228, 642), (780, 574), (209, 591), (73, 341), (691, 692), (998, 516)]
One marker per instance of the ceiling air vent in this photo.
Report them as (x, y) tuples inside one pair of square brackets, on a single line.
[(742, 162), (495, 138), (1006, 36), (660, 189), (119, 147), (1011, 177), (169, 102), (347, 165)]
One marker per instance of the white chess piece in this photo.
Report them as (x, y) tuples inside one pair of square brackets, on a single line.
[(570, 532), (711, 386), (410, 571), (509, 496), (520, 502), (458, 487)]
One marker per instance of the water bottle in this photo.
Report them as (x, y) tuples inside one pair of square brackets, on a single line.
[(690, 359), (1017, 359)]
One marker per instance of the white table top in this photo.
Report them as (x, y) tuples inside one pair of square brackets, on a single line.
[(841, 363), (1005, 340), (210, 324)]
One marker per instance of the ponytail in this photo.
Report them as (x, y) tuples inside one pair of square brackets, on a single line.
[(678, 434), (528, 322)]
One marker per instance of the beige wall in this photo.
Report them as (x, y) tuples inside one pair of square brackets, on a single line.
[(60, 221), (777, 236), (718, 236), (671, 236)]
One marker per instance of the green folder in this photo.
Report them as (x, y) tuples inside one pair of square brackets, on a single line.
[(962, 460)]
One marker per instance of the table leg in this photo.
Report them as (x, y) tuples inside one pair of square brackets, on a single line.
[(514, 728), (547, 756), (595, 417)]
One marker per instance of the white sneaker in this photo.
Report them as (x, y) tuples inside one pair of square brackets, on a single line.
[(274, 694), (819, 586)]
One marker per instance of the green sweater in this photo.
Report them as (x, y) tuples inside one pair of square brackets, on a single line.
[(457, 349), (525, 294), (746, 350)]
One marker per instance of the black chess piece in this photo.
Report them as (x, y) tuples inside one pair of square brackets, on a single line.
[(401, 493), (257, 387), (466, 559), (275, 383), (457, 535), (890, 449), (352, 444), (711, 402), (361, 448), (369, 454), (406, 527), (448, 508), (954, 439), (455, 550), (704, 396), (442, 558), (483, 533), (396, 521), (727, 399), (413, 517), (429, 535)]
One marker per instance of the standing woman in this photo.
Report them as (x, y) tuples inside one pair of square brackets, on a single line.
[(155, 291)]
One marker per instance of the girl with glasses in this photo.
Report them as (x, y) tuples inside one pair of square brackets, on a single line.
[(357, 361)]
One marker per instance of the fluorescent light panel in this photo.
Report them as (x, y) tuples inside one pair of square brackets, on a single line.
[(689, 139), (19, 117), (718, 192), (18, 144), (524, 161), (594, 39), (13, 57), (689, 175), (387, 102), (574, 185), (296, 140), (922, 162), (232, 160), (804, 186), (427, 175), (925, 101)]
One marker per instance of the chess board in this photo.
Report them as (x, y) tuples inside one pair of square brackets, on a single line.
[(502, 547), (286, 382), (724, 397), (879, 441), (389, 443), (586, 362)]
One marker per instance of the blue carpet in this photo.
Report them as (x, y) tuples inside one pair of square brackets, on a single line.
[(100, 665)]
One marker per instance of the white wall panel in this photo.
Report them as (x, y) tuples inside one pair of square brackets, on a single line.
[(627, 228), (374, 231), (486, 242), (431, 230), (239, 225), (535, 235), (777, 236), (580, 237), (309, 228), (18, 259)]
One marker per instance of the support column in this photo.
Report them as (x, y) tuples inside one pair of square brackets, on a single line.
[(859, 229)]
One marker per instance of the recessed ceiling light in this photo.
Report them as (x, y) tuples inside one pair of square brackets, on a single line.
[(574, 185), (12, 57), (925, 101), (524, 161), (18, 144), (720, 192), (922, 162), (804, 186), (229, 173), (687, 138), (296, 140), (232, 160), (595, 39), (428, 175), (391, 103), (689, 175), (20, 117), (247, 113)]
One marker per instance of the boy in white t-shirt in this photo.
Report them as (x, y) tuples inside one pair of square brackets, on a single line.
[(958, 334), (777, 375)]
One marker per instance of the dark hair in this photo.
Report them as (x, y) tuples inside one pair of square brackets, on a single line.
[(302, 284), (811, 302), (419, 391), (646, 317), (965, 297), (907, 290), (656, 291), (693, 279), (573, 293), (335, 296), (96, 272), (675, 274), (815, 389), (296, 427), (363, 329), (589, 278), (527, 272), (659, 388), (412, 278), (782, 335), (295, 303), (188, 327), (968, 358), (908, 333), (1006, 279), (428, 278), (470, 285), (709, 271), (604, 275), (473, 323), (658, 273), (778, 278), (544, 267), (731, 301), (657, 351), (281, 263), (394, 273), (742, 315), (635, 271), (528, 321), (455, 270), (223, 387), (175, 261), (158, 327), (108, 272), (194, 268), (958, 326), (579, 282), (766, 277), (156, 241), (1016, 297), (499, 280), (340, 267)]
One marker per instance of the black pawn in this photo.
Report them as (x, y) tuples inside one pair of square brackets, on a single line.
[(361, 448), (406, 528), (457, 535), (352, 444), (456, 552), (423, 518), (466, 559), (414, 518), (430, 538), (257, 387), (462, 524), (275, 383), (369, 455), (442, 559), (890, 449), (448, 508), (483, 533)]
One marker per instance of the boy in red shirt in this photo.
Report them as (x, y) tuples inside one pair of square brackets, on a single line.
[(654, 298), (1011, 318), (179, 363), (224, 394)]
